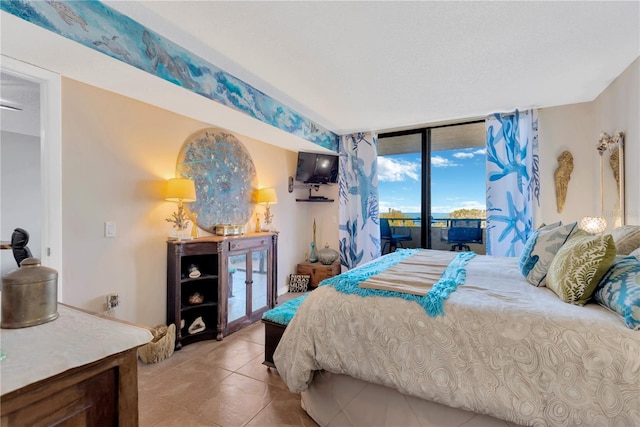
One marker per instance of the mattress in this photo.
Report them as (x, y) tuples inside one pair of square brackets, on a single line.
[(342, 401), (502, 348)]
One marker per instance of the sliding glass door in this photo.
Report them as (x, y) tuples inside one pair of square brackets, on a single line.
[(401, 188), (427, 178)]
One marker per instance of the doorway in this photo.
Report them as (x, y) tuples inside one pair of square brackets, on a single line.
[(47, 152)]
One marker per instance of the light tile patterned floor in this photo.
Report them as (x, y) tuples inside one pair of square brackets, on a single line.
[(224, 383), (218, 383)]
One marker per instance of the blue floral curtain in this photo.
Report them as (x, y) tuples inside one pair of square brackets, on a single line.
[(513, 181), (358, 204)]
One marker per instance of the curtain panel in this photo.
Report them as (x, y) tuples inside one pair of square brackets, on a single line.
[(359, 228), (513, 180)]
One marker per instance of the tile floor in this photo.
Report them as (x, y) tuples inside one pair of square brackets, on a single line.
[(218, 383)]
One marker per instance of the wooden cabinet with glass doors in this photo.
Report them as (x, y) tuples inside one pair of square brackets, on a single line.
[(234, 285)]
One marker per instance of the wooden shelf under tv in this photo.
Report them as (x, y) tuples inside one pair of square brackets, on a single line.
[(314, 200)]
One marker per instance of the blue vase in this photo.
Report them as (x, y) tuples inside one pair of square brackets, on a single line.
[(313, 256)]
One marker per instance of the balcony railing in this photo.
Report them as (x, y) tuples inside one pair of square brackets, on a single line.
[(439, 233)]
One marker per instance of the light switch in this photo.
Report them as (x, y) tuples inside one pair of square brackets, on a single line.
[(109, 229)]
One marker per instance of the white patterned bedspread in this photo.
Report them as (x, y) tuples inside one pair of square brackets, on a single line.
[(503, 348)]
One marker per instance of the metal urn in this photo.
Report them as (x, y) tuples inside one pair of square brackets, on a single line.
[(29, 295)]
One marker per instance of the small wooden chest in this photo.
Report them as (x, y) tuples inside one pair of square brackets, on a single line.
[(318, 271)]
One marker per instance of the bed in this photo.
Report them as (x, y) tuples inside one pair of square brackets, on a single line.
[(501, 347)]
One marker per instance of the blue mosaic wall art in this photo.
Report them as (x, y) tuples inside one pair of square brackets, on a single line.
[(224, 176)]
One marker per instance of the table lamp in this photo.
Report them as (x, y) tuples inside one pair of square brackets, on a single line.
[(180, 190), (267, 196)]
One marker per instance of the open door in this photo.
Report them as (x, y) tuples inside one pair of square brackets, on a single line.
[(49, 192)]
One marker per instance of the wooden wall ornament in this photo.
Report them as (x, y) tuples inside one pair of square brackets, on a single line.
[(562, 176), (224, 175)]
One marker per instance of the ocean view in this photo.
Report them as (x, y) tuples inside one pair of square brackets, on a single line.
[(457, 181)]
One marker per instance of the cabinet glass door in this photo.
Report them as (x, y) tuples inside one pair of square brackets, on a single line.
[(237, 287), (259, 262)]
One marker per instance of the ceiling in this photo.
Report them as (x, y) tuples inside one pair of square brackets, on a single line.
[(22, 94), (354, 66), (357, 66)]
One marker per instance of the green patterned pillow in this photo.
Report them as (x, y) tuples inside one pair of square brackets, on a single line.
[(579, 265)]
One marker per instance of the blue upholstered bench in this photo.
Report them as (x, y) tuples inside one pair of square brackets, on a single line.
[(275, 322)]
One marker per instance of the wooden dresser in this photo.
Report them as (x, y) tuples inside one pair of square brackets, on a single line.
[(318, 271), (78, 370)]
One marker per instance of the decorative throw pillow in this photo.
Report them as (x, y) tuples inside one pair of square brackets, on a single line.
[(298, 282), (636, 254), (627, 238), (619, 290), (579, 265), (544, 226), (540, 249)]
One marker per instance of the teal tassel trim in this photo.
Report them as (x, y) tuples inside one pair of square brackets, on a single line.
[(433, 303)]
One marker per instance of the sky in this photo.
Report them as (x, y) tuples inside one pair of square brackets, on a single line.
[(457, 181)]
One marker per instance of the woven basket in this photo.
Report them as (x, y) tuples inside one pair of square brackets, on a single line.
[(161, 347)]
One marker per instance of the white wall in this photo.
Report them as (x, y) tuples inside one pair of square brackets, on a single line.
[(117, 155), (617, 108), (563, 128), (576, 128), (21, 192)]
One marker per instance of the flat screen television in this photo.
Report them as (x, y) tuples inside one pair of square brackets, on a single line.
[(314, 168)]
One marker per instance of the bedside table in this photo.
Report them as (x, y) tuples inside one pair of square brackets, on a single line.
[(318, 271)]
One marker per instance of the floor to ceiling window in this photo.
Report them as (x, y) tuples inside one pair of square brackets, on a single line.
[(428, 178)]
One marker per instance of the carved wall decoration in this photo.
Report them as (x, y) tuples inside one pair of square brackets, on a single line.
[(562, 176)]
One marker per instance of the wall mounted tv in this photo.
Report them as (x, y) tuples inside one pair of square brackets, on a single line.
[(314, 168)]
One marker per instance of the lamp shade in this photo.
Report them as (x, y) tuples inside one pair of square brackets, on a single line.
[(180, 189), (267, 195), (593, 224)]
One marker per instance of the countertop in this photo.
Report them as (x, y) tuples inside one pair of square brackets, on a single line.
[(74, 339)]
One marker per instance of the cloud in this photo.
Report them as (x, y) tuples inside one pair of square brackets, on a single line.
[(463, 155), (441, 162), (469, 153), (390, 170)]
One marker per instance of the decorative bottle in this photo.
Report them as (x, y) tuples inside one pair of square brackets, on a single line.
[(313, 256)]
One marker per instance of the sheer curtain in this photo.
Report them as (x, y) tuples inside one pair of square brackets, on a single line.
[(513, 182), (358, 199)]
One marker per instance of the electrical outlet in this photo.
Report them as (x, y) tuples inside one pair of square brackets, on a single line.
[(113, 300)]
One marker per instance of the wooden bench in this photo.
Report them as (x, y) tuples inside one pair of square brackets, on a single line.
[(275, 322)]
